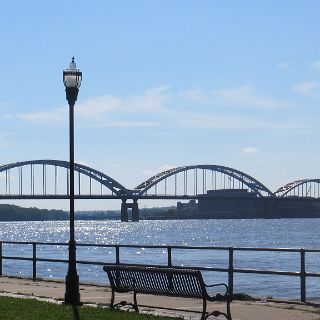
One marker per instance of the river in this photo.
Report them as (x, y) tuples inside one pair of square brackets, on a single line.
[(279, 233)]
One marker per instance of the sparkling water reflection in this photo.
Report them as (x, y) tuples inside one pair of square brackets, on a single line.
[(295, 233)]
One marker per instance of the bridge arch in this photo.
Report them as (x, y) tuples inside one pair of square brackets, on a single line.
[(244, 180), (115, 187), (300, 188)]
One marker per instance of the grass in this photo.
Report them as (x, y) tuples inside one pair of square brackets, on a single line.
[(31, 309)]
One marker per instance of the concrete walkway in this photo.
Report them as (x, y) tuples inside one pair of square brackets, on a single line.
[(174, 307)]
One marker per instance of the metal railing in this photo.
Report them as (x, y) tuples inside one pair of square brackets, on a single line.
[(230, 269)]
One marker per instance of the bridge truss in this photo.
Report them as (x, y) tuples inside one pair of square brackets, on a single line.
[(307, 188), (43, 179), (198, 179)]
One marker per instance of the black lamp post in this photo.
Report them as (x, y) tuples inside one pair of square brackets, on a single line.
[(72, 80)]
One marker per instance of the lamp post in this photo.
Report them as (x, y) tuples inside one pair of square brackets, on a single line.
[(72, 80)]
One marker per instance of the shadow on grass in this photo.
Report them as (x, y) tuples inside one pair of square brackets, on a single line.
[(76, 315)]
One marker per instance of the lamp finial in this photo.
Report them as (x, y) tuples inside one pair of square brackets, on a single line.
[(73, 65)]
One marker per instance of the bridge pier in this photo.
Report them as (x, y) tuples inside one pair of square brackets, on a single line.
[(135, 211), (124, 210)]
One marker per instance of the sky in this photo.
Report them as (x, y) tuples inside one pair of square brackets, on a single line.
[(166, 83)]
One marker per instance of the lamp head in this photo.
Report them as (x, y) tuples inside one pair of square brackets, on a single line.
[(72, 77)]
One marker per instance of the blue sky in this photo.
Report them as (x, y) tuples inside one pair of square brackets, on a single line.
[(165, 83)]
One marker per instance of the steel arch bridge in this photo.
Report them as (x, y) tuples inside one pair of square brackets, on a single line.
[(49, 179), (201, 178), (300, 188)]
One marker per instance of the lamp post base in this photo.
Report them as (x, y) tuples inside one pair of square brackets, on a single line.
[(72, 294)]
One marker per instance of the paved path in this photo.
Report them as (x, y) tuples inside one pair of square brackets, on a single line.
[(92, 294)]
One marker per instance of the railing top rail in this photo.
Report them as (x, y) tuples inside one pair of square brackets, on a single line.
[(183, 247), (36, 242)]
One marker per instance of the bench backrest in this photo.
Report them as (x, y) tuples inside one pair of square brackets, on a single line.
[(156, 280)]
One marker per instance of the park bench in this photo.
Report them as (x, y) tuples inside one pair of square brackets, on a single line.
[(165, 281)]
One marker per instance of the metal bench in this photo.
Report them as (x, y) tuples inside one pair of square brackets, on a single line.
[(175, 282)]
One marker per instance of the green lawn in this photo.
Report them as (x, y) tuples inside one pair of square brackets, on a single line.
[(31, 309)]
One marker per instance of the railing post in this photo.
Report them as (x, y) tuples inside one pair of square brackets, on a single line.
[(170, 277), (230, 271), (303, 274), (169, 249), (117, 262), (117, 254), (34, 261), (0, 258)]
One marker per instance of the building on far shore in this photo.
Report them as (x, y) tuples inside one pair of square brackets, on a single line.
[(242, 204), (190, 206)]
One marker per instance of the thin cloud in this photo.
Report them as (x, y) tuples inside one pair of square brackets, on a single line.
[(4, 104), (315, 65), (55, 116), (209, 121), (249, 150), (59, 117), (97, 107), (156, 107), (244, 96), (108, 111), (284, 65), (309, 88), (4, 141), (119, 124), (153, 100)]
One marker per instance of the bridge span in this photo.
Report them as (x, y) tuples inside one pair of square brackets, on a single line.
[(49, 179)]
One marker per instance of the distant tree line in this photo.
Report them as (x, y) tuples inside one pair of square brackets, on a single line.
[(15, 213), (158, 213)]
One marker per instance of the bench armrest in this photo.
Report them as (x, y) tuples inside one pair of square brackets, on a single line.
[(218, 285)]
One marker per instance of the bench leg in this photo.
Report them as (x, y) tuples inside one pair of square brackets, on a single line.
[(206, 315), (112, 299), (204, 309), (135, 304), (228, 309)]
